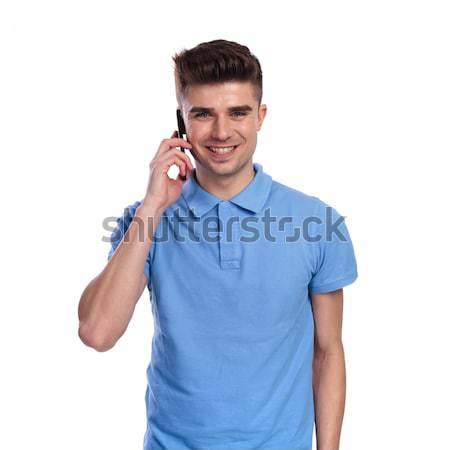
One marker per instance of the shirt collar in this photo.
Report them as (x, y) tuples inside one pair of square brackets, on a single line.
[(252, 197)]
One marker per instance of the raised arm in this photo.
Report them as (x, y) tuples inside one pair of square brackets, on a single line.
[(107, 303)]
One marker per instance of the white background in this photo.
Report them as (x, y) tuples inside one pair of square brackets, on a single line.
[(358, 114)]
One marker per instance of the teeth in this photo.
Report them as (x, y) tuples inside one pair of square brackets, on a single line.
[(221, 150)]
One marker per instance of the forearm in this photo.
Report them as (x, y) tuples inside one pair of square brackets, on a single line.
[(329, 383), (107, 304)]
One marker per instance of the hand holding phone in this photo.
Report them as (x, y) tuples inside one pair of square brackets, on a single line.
[(162, 189)]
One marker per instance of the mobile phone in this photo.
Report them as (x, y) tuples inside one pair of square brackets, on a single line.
[(181, 128), (181, 133)]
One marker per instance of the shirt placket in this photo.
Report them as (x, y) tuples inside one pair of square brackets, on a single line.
[(229, 246)]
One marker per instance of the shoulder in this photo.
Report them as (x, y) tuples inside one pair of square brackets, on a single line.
[(311, 210), (296, 200), (131, 208), (123, 220)]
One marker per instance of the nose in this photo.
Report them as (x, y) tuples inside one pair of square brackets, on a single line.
[(221, 129)]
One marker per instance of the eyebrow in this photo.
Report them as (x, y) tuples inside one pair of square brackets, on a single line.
[(197, 109)]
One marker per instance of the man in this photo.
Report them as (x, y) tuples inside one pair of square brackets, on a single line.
[(247, 350)]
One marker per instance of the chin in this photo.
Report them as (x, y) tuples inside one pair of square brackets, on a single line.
[(229, 169)]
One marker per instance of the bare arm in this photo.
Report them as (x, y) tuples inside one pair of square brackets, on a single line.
[(107, 303), (329, 377)]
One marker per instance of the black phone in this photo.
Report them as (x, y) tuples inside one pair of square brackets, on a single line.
[(181, 133), (181, 128)]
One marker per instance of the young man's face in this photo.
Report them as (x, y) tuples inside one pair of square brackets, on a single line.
[(222, 115)]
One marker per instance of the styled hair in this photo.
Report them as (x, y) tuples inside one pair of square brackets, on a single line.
[(216, 61)]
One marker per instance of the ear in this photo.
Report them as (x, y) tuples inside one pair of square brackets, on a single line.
[(261, 115)]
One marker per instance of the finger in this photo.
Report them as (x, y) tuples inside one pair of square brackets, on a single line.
[(188, 168), (163, 165), (173, 142), (175, 134), (182, 169), (180, 154)]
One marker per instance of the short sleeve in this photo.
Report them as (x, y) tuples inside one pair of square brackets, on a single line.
[(335, 265), (119, 231)]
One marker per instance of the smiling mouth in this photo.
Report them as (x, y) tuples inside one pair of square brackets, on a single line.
[(222, 150)]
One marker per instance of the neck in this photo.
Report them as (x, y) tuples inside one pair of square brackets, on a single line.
[(225, 187)]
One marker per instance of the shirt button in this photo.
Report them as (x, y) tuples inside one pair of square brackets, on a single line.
[(233, 264)]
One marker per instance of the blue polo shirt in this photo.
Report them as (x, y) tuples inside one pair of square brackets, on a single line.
[(230, 284)]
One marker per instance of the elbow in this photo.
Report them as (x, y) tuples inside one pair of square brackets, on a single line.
[(328, 347), (94, 340)]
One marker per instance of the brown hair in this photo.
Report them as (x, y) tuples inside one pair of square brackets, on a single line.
[(216, 61)]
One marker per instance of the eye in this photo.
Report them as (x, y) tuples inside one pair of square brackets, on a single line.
[(239, 113), (200, 114)]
